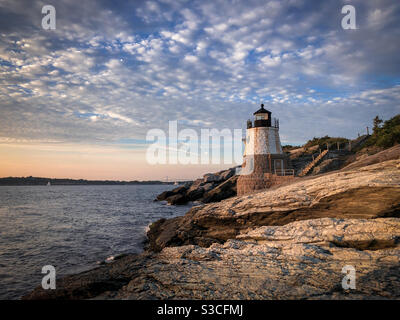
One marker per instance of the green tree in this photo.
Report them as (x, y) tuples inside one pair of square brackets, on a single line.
[(387, 135), (377, 123)]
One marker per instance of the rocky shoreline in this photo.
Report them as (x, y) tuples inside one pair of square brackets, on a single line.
[(288, 242), (212, 187)]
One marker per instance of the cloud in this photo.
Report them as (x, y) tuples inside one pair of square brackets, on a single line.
[(113, 72)]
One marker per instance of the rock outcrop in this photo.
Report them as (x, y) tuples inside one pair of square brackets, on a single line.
[(211, 188), (367, 192), (300, 260), (223, 191), (366, 160)]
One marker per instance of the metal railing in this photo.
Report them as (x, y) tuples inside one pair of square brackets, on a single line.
[(274, 123)]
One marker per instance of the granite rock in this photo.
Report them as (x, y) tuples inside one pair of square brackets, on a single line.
[(300, 260), (368, 192)]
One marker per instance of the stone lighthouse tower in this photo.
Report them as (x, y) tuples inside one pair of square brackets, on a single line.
[(264, 163)]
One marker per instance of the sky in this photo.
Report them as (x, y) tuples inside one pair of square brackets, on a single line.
[(78, 101)]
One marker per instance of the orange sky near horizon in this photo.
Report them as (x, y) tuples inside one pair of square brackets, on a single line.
[(94, 162)]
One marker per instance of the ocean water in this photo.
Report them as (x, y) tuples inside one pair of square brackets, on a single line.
[(71, 228)]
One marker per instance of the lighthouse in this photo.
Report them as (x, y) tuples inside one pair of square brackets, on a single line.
[(264, 162)]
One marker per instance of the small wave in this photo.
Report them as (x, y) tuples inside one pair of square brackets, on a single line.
[(147, 228), (112, 258)]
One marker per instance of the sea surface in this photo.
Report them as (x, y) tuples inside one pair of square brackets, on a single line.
[(71, 228)]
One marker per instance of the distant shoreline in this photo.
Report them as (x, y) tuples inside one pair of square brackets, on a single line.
[(39, 181)]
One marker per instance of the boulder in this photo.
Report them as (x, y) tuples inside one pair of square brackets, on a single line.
[(210, 177), (223, 191), (195, 190), (195, 193), (225, 175), (173, 195), (180, 190), (164, 195), (196, 184), (208, 186), (177, 199)]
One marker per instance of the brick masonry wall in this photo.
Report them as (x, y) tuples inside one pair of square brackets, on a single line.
[(263, 163), (249, 183)]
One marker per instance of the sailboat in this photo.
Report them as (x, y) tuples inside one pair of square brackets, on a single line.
[(48, 184), (176, 183)]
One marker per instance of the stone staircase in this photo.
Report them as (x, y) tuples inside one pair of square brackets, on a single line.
[(313, 163)]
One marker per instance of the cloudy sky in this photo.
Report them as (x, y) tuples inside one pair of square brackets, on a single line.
[(78, 101)]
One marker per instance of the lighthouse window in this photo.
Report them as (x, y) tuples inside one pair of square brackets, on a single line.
[(261, 116), (251, 165)]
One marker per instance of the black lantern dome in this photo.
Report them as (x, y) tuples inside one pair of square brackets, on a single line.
[(262, 117)]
